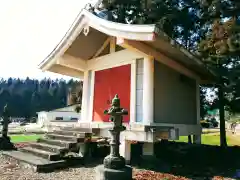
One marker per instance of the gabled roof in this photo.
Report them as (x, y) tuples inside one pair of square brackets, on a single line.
[(126, 31), (149, 35)]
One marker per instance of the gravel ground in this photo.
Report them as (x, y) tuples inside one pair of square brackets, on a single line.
[(11, 171)]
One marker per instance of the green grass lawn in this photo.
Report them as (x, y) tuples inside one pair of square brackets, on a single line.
[(25, 138), (213, 139)]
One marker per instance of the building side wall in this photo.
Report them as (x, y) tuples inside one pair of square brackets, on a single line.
[(44, 118), (174, 97), (65, 115)]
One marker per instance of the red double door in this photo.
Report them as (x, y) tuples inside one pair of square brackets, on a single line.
[(109, 82)]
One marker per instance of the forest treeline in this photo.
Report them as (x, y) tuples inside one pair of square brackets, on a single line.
[(27, 96)]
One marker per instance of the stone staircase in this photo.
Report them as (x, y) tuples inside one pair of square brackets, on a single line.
[(58, 149)]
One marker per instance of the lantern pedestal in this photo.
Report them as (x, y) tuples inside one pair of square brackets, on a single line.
[(114, 166), (114, 174), (5, 143)]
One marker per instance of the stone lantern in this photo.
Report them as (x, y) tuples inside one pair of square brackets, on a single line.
[(5, 143), (114, 166)]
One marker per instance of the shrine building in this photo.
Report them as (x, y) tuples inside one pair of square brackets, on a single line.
[(156, 79)]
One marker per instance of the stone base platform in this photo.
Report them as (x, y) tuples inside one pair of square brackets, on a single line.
[(103, 173), (56, 150)]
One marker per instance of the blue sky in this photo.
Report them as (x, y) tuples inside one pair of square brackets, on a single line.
[(29, 30)]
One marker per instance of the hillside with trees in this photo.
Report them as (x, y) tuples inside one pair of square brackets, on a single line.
[(28, 96)]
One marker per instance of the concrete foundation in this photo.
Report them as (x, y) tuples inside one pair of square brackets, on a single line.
[(148, 149), (197, 139), (125, 150), (103, 173)]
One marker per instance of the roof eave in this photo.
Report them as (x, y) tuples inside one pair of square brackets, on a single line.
[(183, 50)]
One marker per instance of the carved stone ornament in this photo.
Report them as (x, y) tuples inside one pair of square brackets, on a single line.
[(86, 30)]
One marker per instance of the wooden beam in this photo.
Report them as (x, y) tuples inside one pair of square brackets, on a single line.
[(59, 69), (113, 45), (102, 47), (124, 43), (149, 51), (106, 61), (72, 62)]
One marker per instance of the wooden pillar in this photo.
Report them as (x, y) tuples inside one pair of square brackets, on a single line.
[(85, 97), (197, 138), (133, 93), (148, 93), (198, 102)]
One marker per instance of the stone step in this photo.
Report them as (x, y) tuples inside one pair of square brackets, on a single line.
[(72, 133), (94, 131), (61, 143), (35, 163), (65, 138), (48, 147), (77, 129), (41, 153)]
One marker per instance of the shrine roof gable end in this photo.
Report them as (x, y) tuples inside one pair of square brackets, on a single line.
[(90, 36)]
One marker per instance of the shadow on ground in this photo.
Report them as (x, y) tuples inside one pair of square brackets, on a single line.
[(193, 161), (201, 162)]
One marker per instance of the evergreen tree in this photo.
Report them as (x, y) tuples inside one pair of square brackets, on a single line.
[(188, 22), (26, 97), (221, 50)]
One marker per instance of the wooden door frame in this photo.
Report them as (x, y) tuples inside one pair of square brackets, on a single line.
[(132, 90), (130, 95)]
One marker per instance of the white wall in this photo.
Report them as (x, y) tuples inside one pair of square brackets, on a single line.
[(42, 118), (66, 115), (46, 117)]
